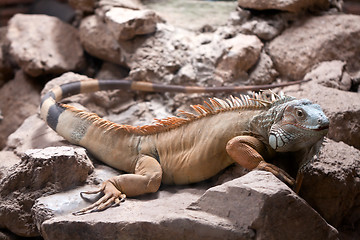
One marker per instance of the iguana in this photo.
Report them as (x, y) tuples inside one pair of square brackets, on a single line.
[(189, 148)]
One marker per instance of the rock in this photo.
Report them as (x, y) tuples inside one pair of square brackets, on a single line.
[(6, 72), (41, 172), (17, 103), (111, 71), (263, 72), (332, 186), (331, 74), (314, 40), (98, 41), (288, 5), (8, 160), (33, 133), (265, 29), (125, 23), (130, 4), (339, 106), (245, 208), (240, 54), (52, 49), (83, 5)]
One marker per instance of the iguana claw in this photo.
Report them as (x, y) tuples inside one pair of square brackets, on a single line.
[(112, 197), (278, 172)]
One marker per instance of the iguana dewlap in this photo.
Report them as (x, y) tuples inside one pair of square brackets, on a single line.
[(187, 149)]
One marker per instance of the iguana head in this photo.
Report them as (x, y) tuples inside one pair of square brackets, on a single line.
[(300, 124)]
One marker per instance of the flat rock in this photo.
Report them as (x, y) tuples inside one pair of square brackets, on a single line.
[(125, 23), (17, 103), (314, 40), (41, 172), (52, 48), (331, 184), (284, 5), (244, 208), (339, 106)]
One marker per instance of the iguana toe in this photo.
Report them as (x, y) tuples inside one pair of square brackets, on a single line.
[(112, 197)]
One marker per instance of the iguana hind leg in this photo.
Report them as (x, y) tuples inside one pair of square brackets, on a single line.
[(146, 179), (247, 151)]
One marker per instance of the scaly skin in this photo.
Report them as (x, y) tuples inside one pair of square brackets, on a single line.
[(176, 150)]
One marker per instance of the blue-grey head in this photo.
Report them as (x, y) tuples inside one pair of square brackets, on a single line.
[(300, 124)]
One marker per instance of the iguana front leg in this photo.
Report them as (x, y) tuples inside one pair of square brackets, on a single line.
[(247, 151), (146, 179)]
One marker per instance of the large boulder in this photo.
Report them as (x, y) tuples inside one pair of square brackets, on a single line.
[(314, 40), (331, 184), (245, 208), (41, 172), (287, 5), (43, 44)]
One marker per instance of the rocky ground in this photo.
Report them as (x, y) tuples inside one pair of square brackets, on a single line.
[(41, 174)]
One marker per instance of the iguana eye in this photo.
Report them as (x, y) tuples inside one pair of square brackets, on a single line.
[(299, 113)]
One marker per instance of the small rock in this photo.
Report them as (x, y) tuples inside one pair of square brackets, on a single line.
[(17, 103), (331, 74), (240, 54), (264, 71), (41, 172), (332, 186), (98, 41), (314, 40), (125, 23), (52, 49), (287, 5)]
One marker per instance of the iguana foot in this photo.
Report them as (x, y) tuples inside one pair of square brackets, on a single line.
[(278, 172), (112, 197)]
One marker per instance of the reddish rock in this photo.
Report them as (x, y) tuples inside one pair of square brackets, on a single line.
[(52, 48), (314, 40), (284, 5)]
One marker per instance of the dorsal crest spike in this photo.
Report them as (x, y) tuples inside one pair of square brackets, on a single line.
[(262, 100)]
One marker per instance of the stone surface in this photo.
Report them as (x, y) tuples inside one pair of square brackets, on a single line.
[(234, 210), (17, 103), (33, 134), (41, 172), (284, 5), (8, 160), (98, 41), (314, 40), (240, 54), (263, 72), (125, 23), (341, 107), (52, 48), (6, 72), (331, 74), (332, 184)]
